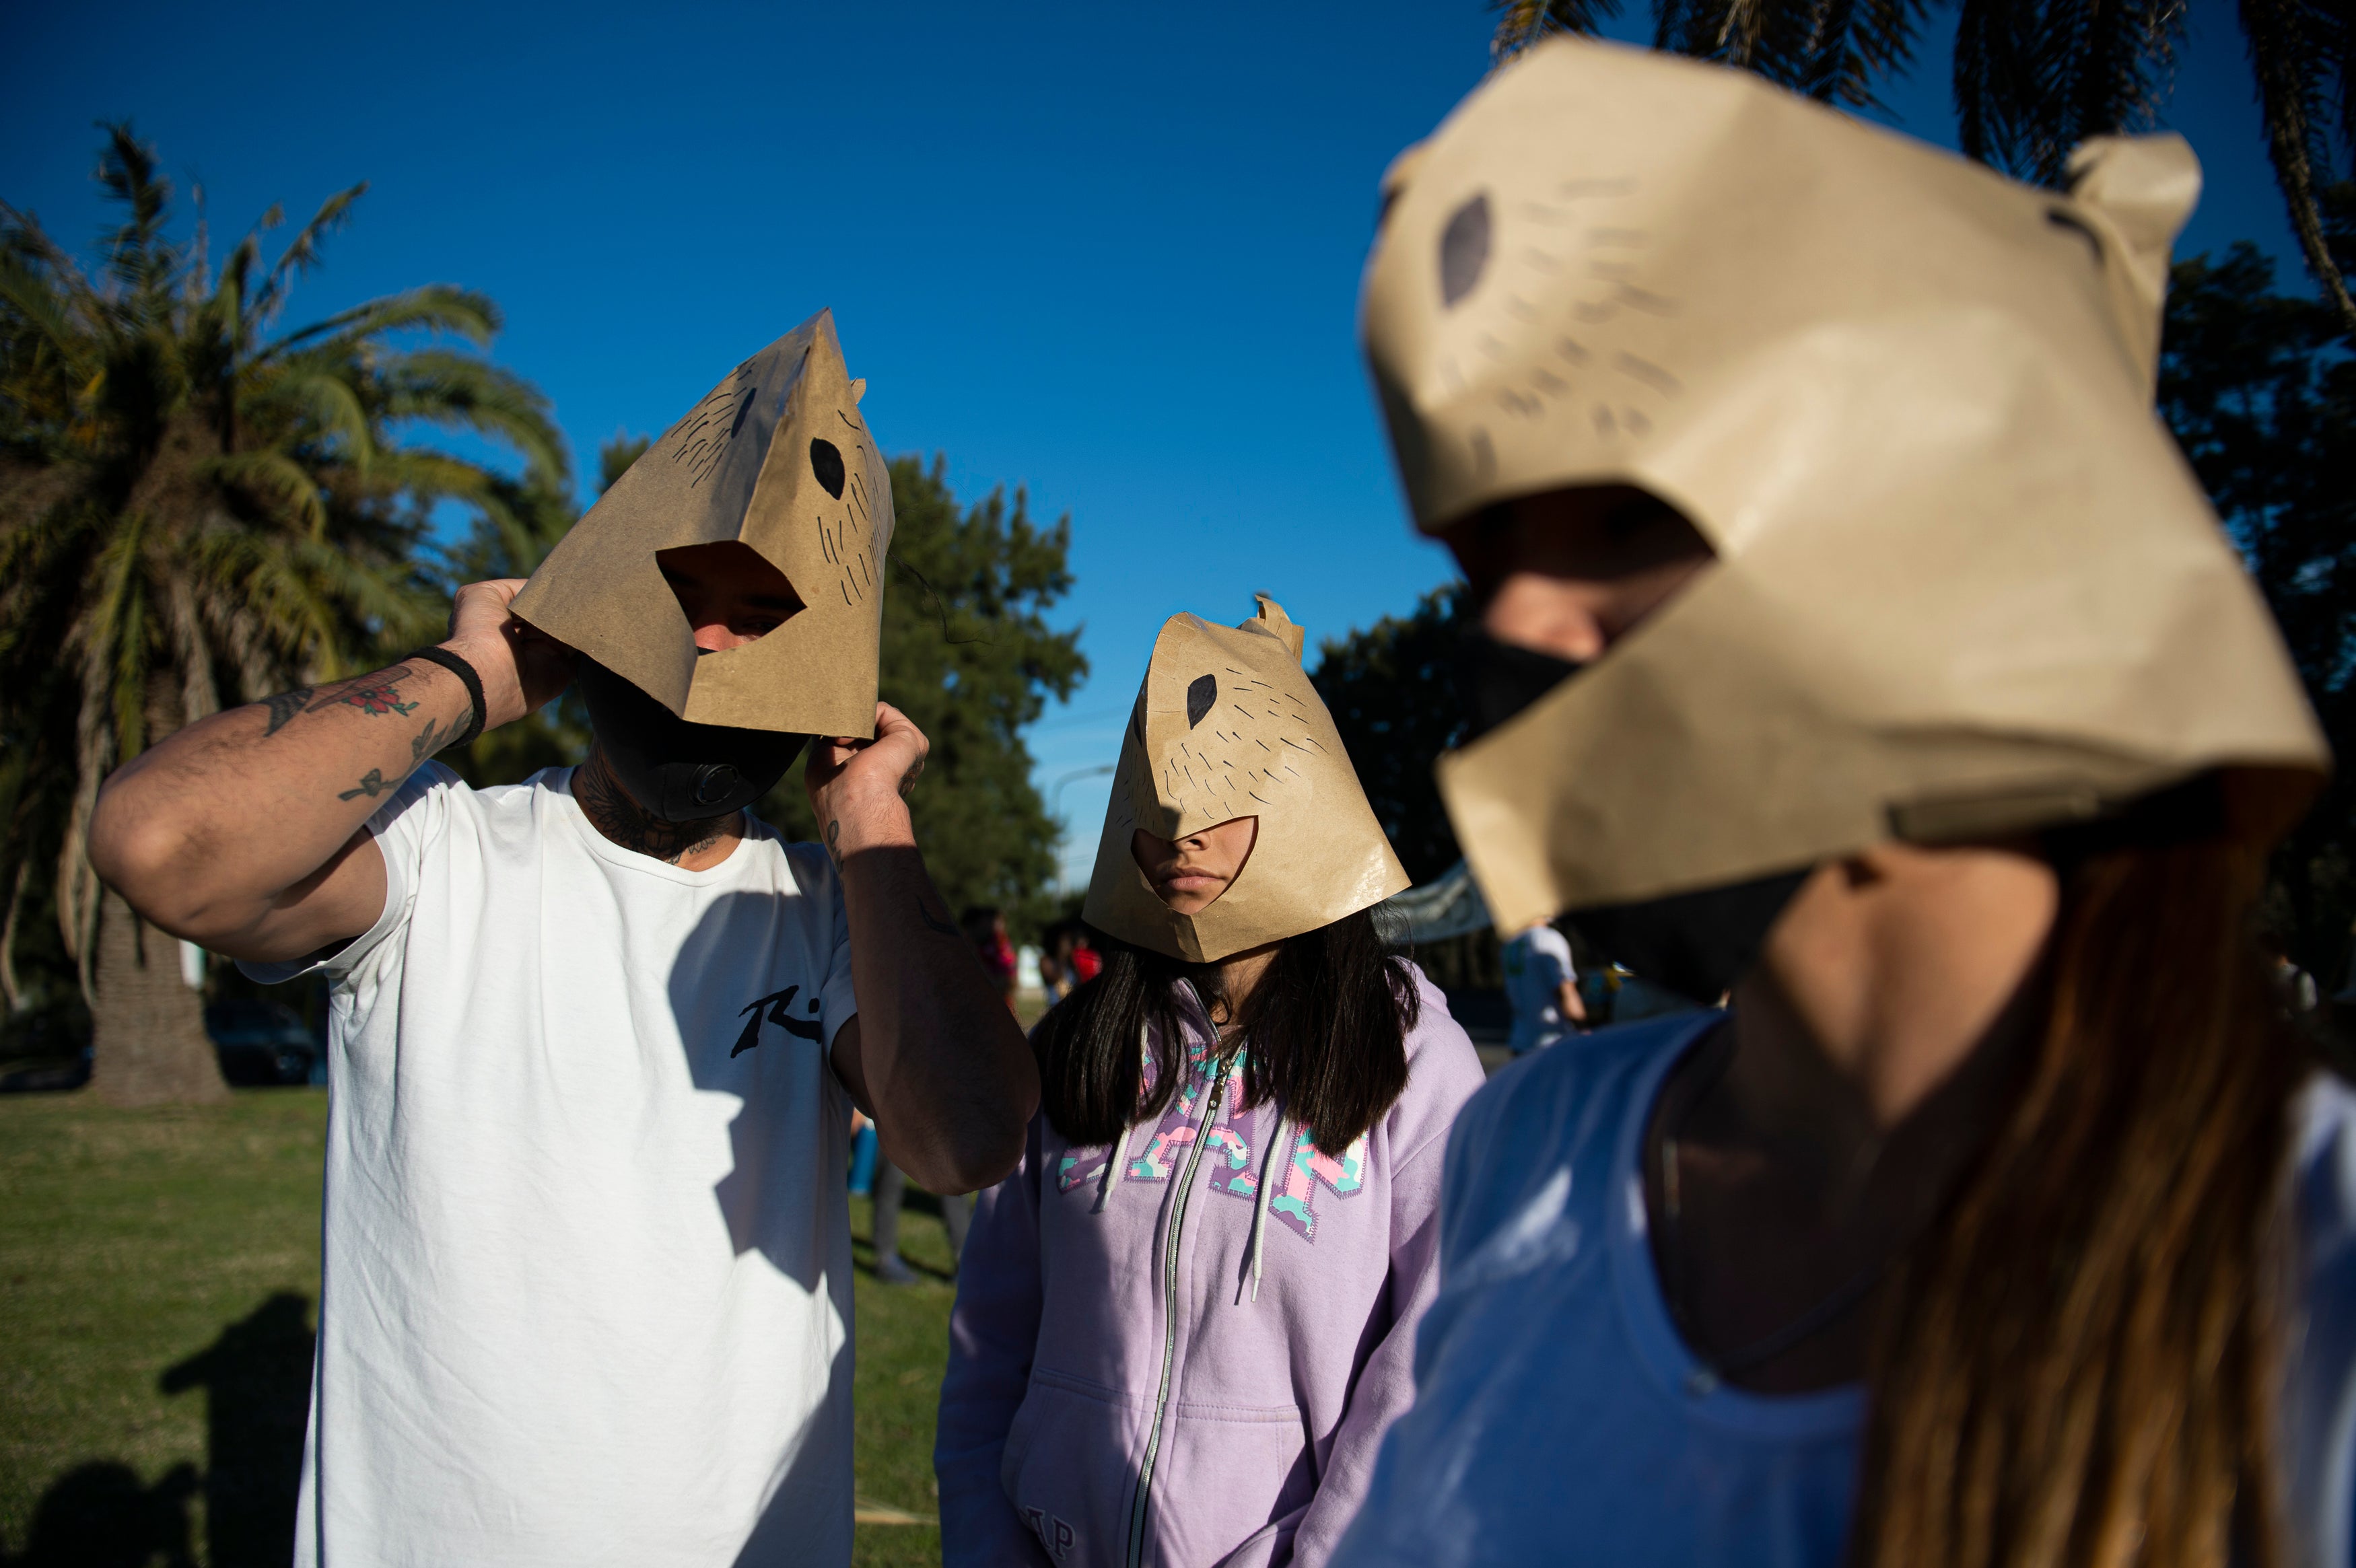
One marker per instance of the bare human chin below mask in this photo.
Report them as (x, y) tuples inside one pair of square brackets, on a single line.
[(1190, 873)]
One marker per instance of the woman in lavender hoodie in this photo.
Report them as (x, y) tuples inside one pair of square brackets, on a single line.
[(1185, 1320)]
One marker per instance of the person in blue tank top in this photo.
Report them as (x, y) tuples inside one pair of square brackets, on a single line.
[(1860, 646)]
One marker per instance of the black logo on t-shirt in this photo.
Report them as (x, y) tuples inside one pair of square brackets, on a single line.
[(776, 1002)]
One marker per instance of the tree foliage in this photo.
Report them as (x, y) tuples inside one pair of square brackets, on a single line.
[(2032, 78), (967, 654), (198, 509), (2260, 388), (1392, 690)]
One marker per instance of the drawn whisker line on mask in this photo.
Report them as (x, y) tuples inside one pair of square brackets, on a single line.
[(939, 608), (846, 419), (1639, 299), (1650, 374), (1572, 350)]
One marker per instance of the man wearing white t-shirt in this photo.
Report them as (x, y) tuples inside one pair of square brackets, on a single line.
[(586, 1291)]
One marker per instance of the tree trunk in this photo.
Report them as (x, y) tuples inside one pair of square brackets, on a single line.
[(148, 1043)]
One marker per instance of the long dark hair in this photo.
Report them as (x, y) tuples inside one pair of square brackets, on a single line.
[(1325, 1033), (2079, 1363)]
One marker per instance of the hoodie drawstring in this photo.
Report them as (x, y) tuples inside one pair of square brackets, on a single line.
[(1120, 1144), (1260, 1208)]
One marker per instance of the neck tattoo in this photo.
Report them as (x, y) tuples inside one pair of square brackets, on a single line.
[(613, 813)]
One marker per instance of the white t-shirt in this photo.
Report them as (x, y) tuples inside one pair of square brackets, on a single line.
[(1536, 963), (586, 1291)]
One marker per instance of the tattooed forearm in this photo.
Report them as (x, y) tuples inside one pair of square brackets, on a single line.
[(909, 779), (375, 695), (431, 740), (421, 745), (834, 841), (284, 706)]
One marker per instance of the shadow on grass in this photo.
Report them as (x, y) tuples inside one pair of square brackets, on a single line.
[(257, 1383)]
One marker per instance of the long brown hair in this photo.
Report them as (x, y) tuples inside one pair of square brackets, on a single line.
[(2077, 1362)]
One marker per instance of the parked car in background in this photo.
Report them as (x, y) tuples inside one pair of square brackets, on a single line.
[(261, 1042), (44, 1051)]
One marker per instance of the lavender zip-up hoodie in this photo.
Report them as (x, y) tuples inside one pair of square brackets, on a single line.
[(1183, 1350)]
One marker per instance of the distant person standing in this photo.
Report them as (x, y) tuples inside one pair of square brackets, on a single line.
[(891, 1186), (986, 929), (1542, 984)]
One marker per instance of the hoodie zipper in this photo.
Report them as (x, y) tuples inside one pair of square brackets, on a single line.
[(1170, 1291)]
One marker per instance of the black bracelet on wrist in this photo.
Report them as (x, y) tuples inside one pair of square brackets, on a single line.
[(473, 683)]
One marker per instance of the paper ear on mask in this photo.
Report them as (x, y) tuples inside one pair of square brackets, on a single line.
[(1226, 726), (1963, 575), (777, 457)]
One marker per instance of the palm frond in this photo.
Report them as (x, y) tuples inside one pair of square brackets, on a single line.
[(303, 252), (36, 303), (436, 308), (1521, 23), (324, 407), (456, 392), (281, 486), (140, 261), (2296, 51)]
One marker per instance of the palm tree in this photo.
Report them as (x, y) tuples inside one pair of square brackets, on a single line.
[(2033, 78), (196, 509)]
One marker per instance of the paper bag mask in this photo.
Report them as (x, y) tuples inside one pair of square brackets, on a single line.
[(1964, 585), (776, 456), (1227, 725)]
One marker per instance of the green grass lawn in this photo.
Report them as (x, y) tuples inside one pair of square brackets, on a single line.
[(158, 1274)]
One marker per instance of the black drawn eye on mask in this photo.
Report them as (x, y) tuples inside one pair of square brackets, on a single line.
[(1201, 692), (826, 464), (1464, 249)]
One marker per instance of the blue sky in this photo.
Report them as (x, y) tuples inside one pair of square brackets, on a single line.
[(1108, 255)]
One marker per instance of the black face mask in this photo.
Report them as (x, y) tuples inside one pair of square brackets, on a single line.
[(1497, 680), (1696, 943), (679, 771)]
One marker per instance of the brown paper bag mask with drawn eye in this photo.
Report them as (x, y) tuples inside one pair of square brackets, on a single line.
[(1965, 583), (777, 458), (1226, 726)]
